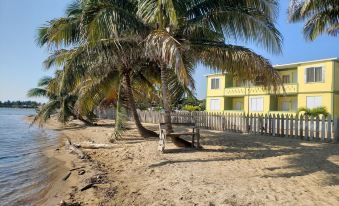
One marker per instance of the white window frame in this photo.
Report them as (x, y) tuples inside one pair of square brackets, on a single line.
[(314, 101), (213, 83), (213, 106), (322, 79), (254, 104)]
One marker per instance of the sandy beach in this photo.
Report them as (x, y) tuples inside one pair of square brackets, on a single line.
[(232, 169)]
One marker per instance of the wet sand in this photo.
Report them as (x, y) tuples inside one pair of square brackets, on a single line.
[(232, 169)]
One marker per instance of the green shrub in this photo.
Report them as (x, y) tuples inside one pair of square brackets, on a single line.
[(315, 112), (191, 108)]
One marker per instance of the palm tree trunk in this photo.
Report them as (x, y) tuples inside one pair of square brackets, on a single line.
[(142, 130), (165, 98), (167, 107)]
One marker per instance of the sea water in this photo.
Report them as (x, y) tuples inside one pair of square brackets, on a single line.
[(25, 171)]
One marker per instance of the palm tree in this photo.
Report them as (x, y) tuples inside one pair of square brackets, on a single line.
[(187, 32), (320, 16), (59, 101), (71, 31), (178, 34)]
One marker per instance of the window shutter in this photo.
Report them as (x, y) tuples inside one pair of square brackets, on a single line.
[(305, 75)]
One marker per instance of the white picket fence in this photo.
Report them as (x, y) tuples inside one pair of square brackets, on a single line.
[(323, 129)]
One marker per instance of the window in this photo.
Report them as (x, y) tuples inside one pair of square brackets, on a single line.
[(285, 106), (256, 104), (238, 106), (294, 77), (215, 104), (239, 83), (313, 102), (314, 74), (215, 83), (286, 79), (294, 105)]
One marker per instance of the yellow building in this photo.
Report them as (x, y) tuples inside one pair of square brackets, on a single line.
[(307, 84)]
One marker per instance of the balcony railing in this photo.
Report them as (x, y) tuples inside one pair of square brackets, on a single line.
[(256, 90)]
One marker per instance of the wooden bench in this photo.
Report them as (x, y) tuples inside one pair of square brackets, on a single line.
[(195, 133)]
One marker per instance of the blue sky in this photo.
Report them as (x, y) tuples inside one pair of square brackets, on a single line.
[(20, 58)]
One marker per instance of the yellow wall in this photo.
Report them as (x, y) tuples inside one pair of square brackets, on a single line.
[(336, 75), (216, 92), (328, 90), (319, 86), (336, 105)]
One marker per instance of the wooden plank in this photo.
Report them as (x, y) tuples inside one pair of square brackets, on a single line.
[(317, 128), (336, 130), (301, 127), (282, 133), (323, 128), (311, 128), (296, 125), (278, 125), (287, 121), (329, 125), (307, 137), (273, 125)]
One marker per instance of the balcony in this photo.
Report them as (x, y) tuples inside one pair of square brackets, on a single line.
[(256, 90)]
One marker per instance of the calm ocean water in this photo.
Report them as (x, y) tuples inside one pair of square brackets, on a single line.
[(24, 170)]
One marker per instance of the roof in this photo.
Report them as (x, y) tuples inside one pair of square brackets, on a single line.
[(284, 66), (290, 65)]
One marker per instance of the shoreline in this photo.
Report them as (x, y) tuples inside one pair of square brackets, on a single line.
[(232, 169), (66, 192)]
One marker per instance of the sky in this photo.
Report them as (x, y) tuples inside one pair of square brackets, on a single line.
[(21, 59)]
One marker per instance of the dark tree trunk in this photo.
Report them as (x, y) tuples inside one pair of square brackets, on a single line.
[(165, 99), (167, 107), (142, 130)]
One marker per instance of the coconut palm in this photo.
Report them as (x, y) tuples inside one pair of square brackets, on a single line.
[(320, 16), (177, 35), (71, 31), (59, 102), (188, 32)]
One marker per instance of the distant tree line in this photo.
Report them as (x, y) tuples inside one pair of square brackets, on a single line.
[(19, 104)]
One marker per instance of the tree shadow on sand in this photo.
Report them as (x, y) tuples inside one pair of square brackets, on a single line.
[(303, 158)]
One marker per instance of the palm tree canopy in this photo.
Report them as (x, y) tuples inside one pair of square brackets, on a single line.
[(320, 16)]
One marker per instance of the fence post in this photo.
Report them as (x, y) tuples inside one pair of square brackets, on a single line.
[(306, 128), (323, 128), (296, 124), (278, 125), (317, 127), (273, 125), (336, 130), (282, 125), (311, 128), (329, 124), (301, 128)]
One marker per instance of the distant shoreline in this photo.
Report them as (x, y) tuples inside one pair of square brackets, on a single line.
[(19, 107)]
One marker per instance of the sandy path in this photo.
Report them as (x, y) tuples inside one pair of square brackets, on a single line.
[(233, 169)]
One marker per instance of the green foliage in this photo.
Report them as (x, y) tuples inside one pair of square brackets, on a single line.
[(320, 16), (191, 108), (315, 112)]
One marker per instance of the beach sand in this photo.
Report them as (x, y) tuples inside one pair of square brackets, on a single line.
[(232, 169)]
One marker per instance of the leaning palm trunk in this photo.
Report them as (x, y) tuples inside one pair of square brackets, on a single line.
[(142, 130), (167, 107), (165, 99)]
